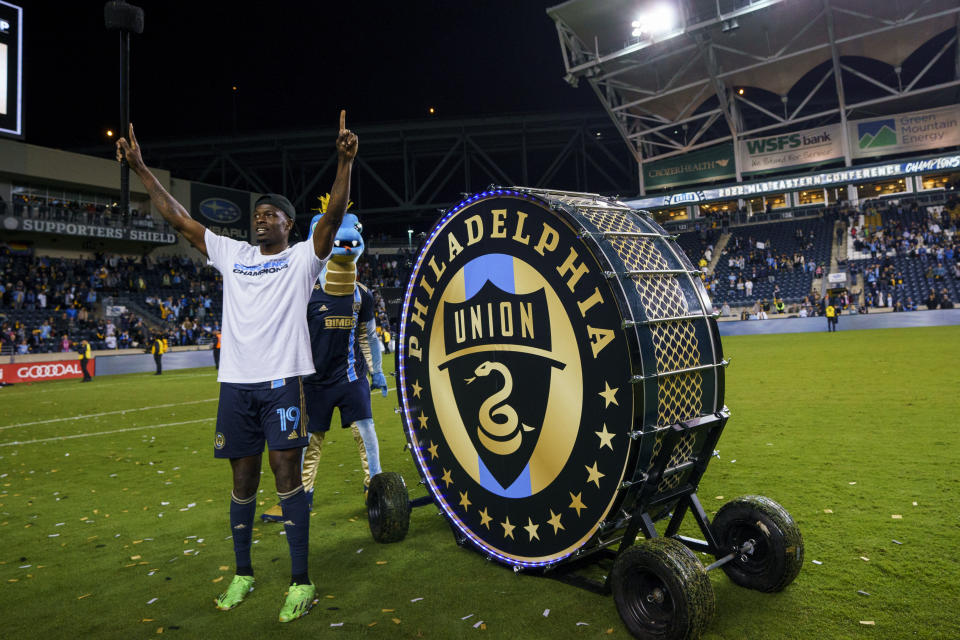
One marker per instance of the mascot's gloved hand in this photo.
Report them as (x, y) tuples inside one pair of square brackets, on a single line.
[(379, 381)]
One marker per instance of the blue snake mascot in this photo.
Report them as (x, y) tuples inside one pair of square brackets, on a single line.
[(345, 347)]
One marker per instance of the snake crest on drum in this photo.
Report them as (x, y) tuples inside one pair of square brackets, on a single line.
[(514, 378)]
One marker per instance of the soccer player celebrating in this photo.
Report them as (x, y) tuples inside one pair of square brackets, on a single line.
[(266, 351)]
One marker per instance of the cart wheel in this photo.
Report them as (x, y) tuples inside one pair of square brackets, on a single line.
[(388, 507), (662, 591), (777, 554)]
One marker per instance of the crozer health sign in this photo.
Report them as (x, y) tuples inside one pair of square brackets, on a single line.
[(509, 356)]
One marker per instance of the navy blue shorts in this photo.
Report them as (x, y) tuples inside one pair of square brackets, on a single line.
[(352, 398), (250, 415)]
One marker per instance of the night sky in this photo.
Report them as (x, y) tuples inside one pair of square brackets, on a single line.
[(295, 64)]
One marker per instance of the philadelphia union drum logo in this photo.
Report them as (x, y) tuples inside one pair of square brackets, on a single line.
[(512, 364)]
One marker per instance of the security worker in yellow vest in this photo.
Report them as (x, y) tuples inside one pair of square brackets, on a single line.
[(85, 356), (158, 348), (831, 317)]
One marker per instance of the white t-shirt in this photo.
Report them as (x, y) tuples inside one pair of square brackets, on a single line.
[(265, 333)]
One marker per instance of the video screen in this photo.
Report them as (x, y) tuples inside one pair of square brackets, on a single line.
[(11, 66)]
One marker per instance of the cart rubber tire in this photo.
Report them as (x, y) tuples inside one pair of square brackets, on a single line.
[(778, 554), (388, 507), (661, 590)]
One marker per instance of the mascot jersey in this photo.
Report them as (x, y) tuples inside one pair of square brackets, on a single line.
[(338, 335)]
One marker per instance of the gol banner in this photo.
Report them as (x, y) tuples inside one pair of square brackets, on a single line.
[(40, 371)]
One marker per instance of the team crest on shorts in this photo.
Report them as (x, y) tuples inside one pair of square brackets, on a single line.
[(219, 440), (512, 360)]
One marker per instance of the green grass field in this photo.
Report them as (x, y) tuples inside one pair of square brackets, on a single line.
[(113, 512)]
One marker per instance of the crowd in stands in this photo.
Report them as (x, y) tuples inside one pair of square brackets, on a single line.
[(49, 305), (909, 257)]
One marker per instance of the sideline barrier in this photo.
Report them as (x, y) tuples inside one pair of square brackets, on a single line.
[(143, 362), (104, 363), (939, 317)]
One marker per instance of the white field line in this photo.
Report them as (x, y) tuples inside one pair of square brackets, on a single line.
[(105, 413), (104, 433)]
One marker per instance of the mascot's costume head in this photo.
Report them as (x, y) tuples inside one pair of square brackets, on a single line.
[(339, 275)]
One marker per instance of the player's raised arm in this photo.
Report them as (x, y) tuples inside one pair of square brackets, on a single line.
[(171, 210), (327, 227)]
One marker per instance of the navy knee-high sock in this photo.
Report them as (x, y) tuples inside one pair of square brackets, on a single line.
[(242, 513), (296, 522)]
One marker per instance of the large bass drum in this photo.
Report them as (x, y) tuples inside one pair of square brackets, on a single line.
[(554, 350)]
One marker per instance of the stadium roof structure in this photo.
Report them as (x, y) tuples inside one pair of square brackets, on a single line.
[(732, 69)]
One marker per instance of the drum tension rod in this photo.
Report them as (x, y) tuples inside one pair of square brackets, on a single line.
[(652, 272), (626, 484), (627, 324), (636, 379)]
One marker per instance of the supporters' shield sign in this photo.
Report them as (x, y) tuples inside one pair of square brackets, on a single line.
[(510, 340)]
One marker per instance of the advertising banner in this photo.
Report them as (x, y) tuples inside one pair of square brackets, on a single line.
[(914, 131), (13, 223), (224, 211), (791, 150), (703, 165), (41, 371), (833, 177)]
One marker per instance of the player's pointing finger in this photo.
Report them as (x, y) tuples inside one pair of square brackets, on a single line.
[(343, 119)]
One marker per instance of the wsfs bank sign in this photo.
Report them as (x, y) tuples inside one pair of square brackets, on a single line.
[(509, 332)]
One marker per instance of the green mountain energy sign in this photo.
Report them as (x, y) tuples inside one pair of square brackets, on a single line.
[(914, 131), (712, 163)]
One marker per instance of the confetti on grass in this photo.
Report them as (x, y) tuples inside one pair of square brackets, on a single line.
[(546, 612), (467, 616), (868, 623), (817, 562), (583, 624), (336, 624), (828, 510), (863, 593), (897, 516), (896, 542), (152, 600), (477, 624), (416, 600)]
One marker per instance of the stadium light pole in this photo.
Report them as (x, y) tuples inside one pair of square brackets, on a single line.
[(127, 19)]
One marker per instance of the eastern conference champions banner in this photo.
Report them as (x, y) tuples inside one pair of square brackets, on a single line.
[(224, 211), (914, 131)]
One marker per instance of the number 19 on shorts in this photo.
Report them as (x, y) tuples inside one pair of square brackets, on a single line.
[(291, 415)]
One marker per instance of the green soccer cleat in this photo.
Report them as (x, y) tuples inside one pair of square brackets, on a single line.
[(299, 600), (235, 593)]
